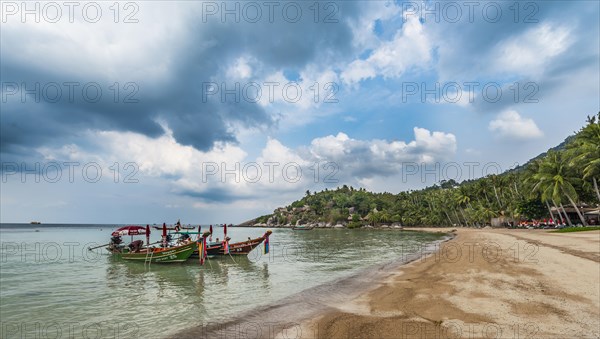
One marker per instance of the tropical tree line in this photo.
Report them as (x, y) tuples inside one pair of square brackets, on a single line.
[(566, 176)]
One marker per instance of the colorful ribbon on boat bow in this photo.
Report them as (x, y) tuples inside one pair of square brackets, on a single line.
[(225, 246), (202, 254), (267, 241)]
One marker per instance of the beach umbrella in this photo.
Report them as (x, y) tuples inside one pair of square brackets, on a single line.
[(147, 235), (129, 230)]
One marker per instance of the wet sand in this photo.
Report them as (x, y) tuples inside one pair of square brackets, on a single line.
[(284, 318), (484, 283)]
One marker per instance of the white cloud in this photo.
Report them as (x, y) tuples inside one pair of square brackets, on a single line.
[(291, 171), (530, 52), (240, 70), (103, 49), (409, 47), (510, 124), (363, 30), (360, 159)]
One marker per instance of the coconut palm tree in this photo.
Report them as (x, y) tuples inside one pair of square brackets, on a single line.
[(373, 218), (586, 151), (555, 181), (495, 181), (384, 217)]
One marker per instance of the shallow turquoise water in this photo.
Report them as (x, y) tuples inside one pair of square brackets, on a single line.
[(51, 286)]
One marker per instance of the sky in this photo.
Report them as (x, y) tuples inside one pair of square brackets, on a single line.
[(219, 112)]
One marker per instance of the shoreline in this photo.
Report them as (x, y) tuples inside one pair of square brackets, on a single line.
[(526, 284), (287, 316)]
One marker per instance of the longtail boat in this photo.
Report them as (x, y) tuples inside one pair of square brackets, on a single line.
[(136, 251), (175, 228), (156, 254), (237, 248)]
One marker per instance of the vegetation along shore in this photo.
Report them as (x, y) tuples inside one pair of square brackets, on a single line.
[(560, 185)]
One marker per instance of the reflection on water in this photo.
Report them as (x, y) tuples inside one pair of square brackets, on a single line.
[(95, 289)]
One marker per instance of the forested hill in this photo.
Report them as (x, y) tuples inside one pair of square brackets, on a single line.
[(559, 147), (566, 174)]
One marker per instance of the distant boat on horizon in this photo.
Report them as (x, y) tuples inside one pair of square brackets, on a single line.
[(35, 223)]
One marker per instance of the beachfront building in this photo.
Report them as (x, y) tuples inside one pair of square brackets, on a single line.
[(591, 214)]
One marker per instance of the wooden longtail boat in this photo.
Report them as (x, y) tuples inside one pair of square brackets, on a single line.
[(156, 255), (136, 252), (237, 248)]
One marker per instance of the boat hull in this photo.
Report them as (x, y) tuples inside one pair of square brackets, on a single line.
[(238, 248), (159, 255)]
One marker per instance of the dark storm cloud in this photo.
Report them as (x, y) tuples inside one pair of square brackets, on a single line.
[(466, 45), (202, 55), (467, 50), (216, 195)]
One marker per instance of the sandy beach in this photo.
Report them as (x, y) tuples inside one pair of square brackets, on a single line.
[(485, 283)]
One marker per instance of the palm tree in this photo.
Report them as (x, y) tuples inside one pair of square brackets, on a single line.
[(555, 180), (484, 214), (384, 217), (586, 151), (373, 218), (462, 198), (495, 181)]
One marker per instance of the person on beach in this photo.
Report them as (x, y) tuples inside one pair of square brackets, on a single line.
[(135, 246), (185, 238)]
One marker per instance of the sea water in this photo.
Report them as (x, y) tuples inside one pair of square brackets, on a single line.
[(52, 286)]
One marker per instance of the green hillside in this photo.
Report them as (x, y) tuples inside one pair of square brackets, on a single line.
[(566, 174)]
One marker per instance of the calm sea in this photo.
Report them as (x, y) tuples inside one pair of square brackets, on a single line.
[(51, 286)]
